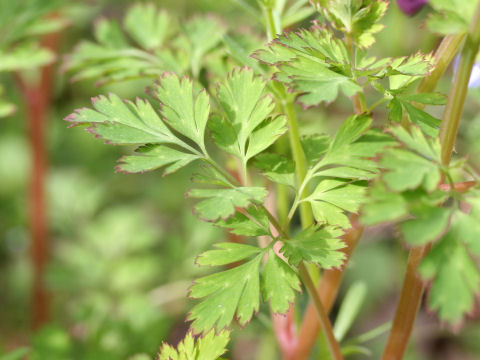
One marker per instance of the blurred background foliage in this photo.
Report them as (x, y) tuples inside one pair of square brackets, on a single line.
[(122, 247)]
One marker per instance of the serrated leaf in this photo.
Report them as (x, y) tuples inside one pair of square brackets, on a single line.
[(279, 283), (382, 206), (319, 246), (144, 51), (351, 149), (316, 83), (246, 129), (331, 198), (151, 157), (184, 110), (123, 122), (227, 253), (417, 164), (221, 203), (316, 43), (276, 168), (236, 292), (155, 25), (312, 62), (429, 223), (25, 56), (228, 293), (208, 347), (406, 170), (456, 279), (429, 124), (359, 19), (256, 224), (204, 34), (240, 48)]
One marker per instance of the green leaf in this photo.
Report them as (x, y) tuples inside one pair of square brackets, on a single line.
[(155, 25), (152, 157), (276, 168), (425, 98), (123, 122), (429, 124), (416, 165), (451, 16), (315, 146), (278, 283), (208, 347), (255, 224), (239, 48), (382, 206), (316, 43), (316, 83), (204, 34), (228, 253), (429, 223), (236, 292), (25, 56), (455, 275), (359, 19), (350, 152), (246, 128), (221, 203), (349, 309), (313, 63), (182, 109), (319, 246), (157, 46), (331, 198)]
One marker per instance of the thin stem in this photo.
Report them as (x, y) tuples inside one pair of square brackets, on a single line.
[(412, 288), (272, 28), (327, 290), (306, 215), (38, 101), (407, 307), (443, 57), (334, 346)]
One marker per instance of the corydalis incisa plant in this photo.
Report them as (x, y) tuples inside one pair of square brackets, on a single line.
[(393, 174)]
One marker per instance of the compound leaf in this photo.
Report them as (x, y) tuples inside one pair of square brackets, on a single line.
[(255, 224), (236, 292), (221, 203), (246, 129), (319, 246), (208, 347), (279, 283)]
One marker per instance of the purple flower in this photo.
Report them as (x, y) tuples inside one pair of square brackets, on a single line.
[(411, 7)]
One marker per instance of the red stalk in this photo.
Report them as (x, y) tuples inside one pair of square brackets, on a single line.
[(37, 101)]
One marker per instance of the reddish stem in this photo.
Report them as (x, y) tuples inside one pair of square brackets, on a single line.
[(37, 101), (328, 290)]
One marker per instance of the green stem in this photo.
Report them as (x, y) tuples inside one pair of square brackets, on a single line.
[(443, 57), (306, 215), (458, 91), (272, 28)]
